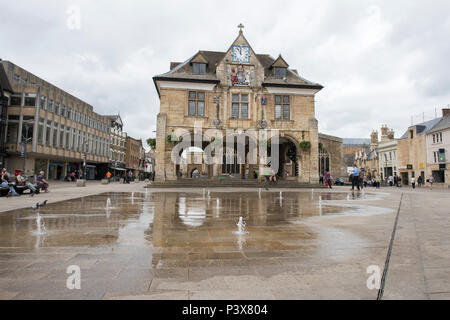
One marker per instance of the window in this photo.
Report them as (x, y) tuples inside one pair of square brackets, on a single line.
[(282, 108), (198, 68), (41, 131), (239, 102), (279, 73), (50, 105), (15, 100), (30, 100), (411, 134), (436, 156), (196, 106), (42, 104), (437, 138)]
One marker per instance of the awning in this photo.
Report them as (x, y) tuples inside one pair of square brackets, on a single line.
[(118, 169)]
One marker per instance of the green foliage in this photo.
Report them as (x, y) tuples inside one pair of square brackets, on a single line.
[(305, 145), (171, 140), (320, 145), (151, 142)]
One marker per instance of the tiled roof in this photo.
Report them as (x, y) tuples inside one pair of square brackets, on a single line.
[(355, 141), (442, 125), (423, 127), (184, 70)]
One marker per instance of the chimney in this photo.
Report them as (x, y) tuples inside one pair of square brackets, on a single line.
[(445, 111)]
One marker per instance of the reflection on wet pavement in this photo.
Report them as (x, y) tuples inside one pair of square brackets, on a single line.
[(127, 238)]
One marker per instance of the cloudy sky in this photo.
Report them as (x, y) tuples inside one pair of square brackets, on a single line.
[(380, 62)]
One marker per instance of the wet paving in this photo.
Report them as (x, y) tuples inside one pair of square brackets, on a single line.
[(170, 245)]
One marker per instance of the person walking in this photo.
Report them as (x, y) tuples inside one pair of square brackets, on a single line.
[(413, 182), (328, 179), (355, 180), (430, 181), (108, 176), (419, 181)]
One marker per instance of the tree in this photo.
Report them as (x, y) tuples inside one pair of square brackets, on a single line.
[(151, 143)]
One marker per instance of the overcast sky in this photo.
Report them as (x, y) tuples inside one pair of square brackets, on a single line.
[(380, 61)]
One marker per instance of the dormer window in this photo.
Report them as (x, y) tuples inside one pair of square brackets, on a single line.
[(198, 68), (279, 73)]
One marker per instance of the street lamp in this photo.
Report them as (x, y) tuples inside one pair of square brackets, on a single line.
[(25, 140), (85, 158)]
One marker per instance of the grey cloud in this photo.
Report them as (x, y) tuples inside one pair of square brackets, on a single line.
[(380, 62)]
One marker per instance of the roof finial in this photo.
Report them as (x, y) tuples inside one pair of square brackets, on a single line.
[(240, 26)]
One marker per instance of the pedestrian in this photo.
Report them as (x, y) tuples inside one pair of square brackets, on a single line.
[(419, 181), (321, 179), (413, 182), (328, 178), (355, 180), (378, 181), (430, 181), (108, 176)]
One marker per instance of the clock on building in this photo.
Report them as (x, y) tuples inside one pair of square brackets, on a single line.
[(240, 54)]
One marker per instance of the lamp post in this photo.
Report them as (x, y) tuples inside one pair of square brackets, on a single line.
[(85, 158), (23, 154)]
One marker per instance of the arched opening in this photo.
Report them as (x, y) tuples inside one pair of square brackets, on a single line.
[(324, 161), (288, 157)]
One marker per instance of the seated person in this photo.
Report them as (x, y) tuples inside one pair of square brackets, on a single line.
[(23, 181), (41, 183), (273, 176), (4, 182)]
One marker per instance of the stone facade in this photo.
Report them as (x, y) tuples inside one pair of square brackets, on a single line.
[(412, 151), (331, 156), (238, 89)]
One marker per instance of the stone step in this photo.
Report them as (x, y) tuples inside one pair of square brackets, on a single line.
[(230, 184)]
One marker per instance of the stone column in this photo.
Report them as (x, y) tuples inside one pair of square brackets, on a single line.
[(160, 164), (314, 151)]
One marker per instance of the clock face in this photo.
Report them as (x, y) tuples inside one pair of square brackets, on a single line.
[(241, 54)]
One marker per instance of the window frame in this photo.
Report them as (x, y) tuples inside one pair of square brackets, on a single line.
[(196, 102), (282, 104), (240, 102), (198, 68)]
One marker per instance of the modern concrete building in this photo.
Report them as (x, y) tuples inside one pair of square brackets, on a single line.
[(238, 90), (49, 129), (5, 93)]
